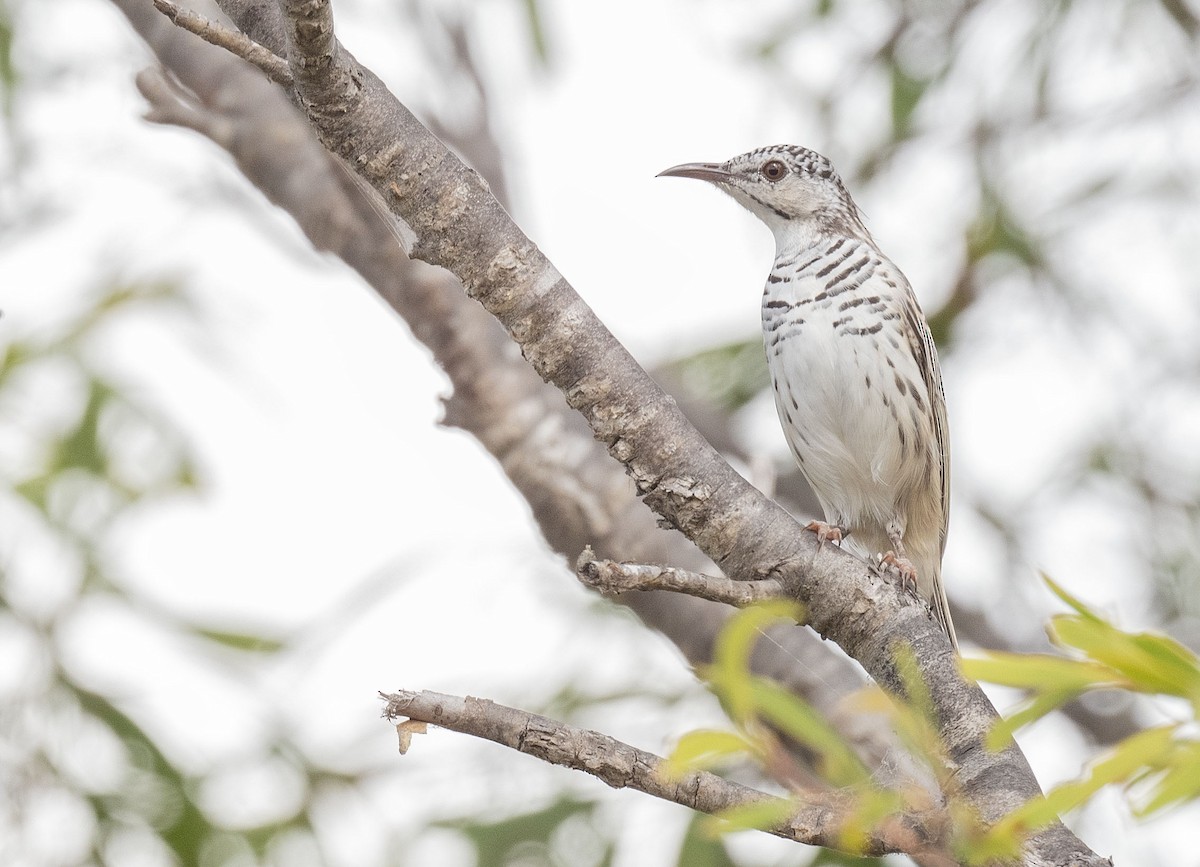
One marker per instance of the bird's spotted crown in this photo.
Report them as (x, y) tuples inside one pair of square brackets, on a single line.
[(798, 159)]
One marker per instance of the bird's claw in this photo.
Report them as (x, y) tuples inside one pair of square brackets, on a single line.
[(826, 533), (903, 569)]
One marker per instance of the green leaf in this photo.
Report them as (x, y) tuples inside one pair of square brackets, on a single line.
[(758, 815), (837, 762), (244, 641), (1180, 781), (701, 849), (1121, 764), (1029, 712), (1151, 663), (705, 748), (1040, 671), (1073, 601), (729, 375), (731, 654), (906, 95)]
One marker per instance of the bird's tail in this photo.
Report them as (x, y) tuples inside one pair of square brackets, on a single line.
[(941, 606)]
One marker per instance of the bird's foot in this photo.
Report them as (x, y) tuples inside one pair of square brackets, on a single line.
[(903, 569), (826, 532)]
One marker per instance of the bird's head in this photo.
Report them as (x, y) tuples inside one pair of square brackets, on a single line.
[(795, 191)]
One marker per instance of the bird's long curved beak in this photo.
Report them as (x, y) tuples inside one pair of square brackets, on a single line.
[(700, 171)]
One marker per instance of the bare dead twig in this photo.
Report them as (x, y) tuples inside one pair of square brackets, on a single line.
[(818, 820), (233, 41), (612, 578)]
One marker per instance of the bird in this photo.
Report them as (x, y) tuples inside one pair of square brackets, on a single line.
[(853, 365)]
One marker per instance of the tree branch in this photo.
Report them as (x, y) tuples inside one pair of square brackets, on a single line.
[(818, 820), (612, 578), (233, 41), (459, 224), (577, 493)]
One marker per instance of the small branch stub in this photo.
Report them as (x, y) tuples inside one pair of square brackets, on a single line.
[(611, 578)]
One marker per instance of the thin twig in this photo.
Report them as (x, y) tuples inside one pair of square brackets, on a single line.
[(231, 40), (819, 820), (610, 578)]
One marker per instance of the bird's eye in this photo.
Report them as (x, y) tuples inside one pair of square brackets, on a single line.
[(774, 170)]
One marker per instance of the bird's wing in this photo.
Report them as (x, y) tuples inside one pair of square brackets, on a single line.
[(923, 349), (925, 352)]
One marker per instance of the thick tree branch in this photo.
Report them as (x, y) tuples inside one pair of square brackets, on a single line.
[(577, 493), (818, 820), (324, 81), (459, 224)]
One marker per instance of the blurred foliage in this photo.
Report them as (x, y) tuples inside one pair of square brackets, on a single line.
[(563, 834), (767, 716), (74, 468), (728, 376), (1158, 767), (8, 70), (701, 848), (906, 96), (81, 475), (78, 476), (534, 18)]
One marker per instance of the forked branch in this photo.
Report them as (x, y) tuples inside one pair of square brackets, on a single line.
[(611, 578), (816, 819), (460, 226)]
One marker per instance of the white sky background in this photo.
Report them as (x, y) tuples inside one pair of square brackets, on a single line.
[(313, 411)]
